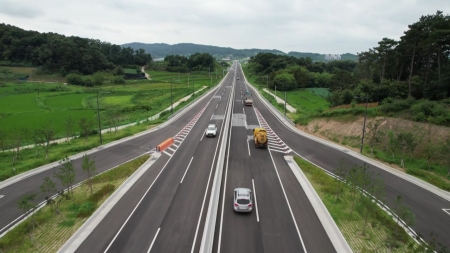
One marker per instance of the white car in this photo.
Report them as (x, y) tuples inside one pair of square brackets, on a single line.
[(211, 130)]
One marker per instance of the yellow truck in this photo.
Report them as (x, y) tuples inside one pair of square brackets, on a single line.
[(260, 137)]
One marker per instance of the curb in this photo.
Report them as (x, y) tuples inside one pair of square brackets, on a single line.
[(330, 227), (85, 230)]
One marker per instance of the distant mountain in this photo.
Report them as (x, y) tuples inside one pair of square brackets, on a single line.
[(160, 50), (321, 57)]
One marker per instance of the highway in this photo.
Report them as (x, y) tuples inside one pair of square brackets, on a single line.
[(165, 209), (283, 220), (427, 206), (105, 158)]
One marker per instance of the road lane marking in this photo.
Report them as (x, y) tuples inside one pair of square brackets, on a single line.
[(203, 135), (445, 210), (171, 148), (154, 239), (256, 202), (224, 190), (1, 196), (248, 146), (167, 153), (230, 99), (287, 201), (186, 170)]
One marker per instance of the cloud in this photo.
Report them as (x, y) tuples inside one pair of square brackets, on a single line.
[(324, 26), (18, 10)]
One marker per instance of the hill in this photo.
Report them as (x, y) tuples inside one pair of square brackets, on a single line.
[(160, 50)]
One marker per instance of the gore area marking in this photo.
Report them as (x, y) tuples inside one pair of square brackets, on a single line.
[(1, 196), (445, 210)]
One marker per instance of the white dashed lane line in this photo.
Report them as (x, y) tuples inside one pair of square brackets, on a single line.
[(1, 196), (445, 210)]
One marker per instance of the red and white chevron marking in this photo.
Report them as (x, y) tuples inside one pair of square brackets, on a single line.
[(275, 143), (180, 136)]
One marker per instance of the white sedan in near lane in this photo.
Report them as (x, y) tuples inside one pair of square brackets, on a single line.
[(211, 130)]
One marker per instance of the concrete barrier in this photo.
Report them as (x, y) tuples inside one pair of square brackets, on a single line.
[(165, 144)]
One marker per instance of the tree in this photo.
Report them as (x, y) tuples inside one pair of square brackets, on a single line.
[(342, 80), (445, 151), (392, 143), (341, 173), (45, 135), (88, 166), (284, 81), (48, 188), (3, 139), (66, 174), (17, 138), (430, 151), (27, 206), (375, 190), (98, 78), (374, 134), (85, 127), (70, 123), (403, 212)]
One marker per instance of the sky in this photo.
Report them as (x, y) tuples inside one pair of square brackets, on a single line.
[(325, 27)]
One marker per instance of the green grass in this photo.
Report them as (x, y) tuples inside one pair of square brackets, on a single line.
[(53, 230), (130, 71), (66, 101), (382, 228)]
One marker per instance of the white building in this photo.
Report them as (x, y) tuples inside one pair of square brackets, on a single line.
[(332, 57)]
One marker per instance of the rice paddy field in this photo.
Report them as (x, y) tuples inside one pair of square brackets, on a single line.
[(29, 106)]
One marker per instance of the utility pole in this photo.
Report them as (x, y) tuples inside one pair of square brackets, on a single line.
[(193, 89), (267, 81), (98, 117), (171, 99), (285, 99), (364, 124)]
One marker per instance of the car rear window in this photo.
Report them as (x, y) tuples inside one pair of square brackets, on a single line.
[(243, 201)]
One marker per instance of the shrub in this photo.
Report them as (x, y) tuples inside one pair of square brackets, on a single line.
[(118, 80), (98, 195), (74, 79), (395, 105), (86, 209)]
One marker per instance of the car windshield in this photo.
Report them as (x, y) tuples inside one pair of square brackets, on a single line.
[(243, 201), (211, 128)]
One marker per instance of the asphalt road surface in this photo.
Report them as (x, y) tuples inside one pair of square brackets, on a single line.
[(427, 206)]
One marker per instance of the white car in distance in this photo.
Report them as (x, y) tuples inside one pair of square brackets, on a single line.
[(211, 130)]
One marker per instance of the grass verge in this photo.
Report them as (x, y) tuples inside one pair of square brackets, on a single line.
[(382, 233), (54, 230)]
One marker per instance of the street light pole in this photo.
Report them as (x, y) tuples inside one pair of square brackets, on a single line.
[(99, 125)]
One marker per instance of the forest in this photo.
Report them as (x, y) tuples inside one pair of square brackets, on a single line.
[(415, 67), (55, 53)]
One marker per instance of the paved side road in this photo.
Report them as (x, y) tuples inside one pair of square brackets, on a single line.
[(281, 101)]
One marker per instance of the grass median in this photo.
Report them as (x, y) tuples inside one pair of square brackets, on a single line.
[(379, 234), (47, 231)]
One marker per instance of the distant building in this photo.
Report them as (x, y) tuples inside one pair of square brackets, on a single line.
[(226, 59), (158, 59), (332, 57)]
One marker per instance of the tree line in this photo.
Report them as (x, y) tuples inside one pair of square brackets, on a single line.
[(183, 64), (56, 53), (417, 66)]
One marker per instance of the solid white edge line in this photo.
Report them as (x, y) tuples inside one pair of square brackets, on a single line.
[(186, 170), (287, 201), (209, 179), (154, 239), (145, 194), (256, 202)]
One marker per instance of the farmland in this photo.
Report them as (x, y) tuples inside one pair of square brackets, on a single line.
[(22, 110)]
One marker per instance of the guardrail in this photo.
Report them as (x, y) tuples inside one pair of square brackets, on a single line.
[(211, 216)]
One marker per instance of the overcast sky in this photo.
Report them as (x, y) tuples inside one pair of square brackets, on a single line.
[(327, 26)]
